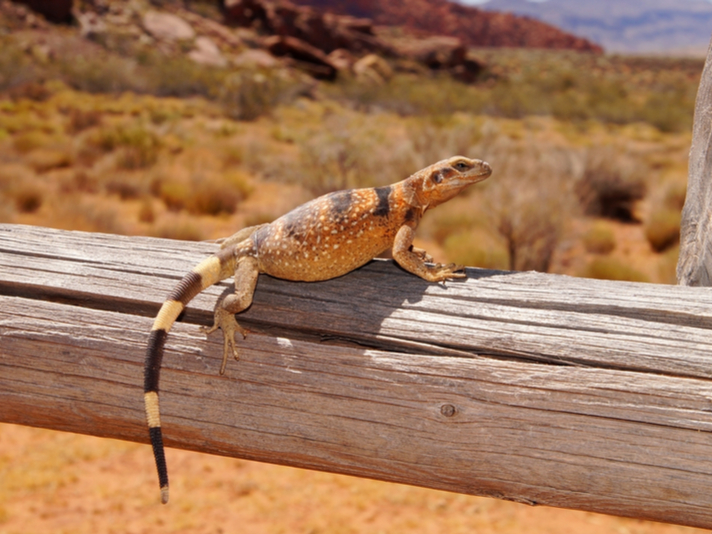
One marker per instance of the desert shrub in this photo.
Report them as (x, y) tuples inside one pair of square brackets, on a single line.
[(531, 236), (28, 197), (139, 145), (260, 217), (599, 239), (175, 195), (662, 229), (213, 198), (46, 159), (240, 182), (250, 94), (348, 151), (80, 120), (182, 229), (99, 73), (675, 196), (82, 180), (475, 248), (16, 67), (529, 200), (444, 223), (126, 186), (608, 268), (669, 110), (30, 140), (432, 140), (146, 213), (406, 94), (202, 192), (76, 213), (20, 188), (667, 266), (179, 77), (611, 184), (35, 90)]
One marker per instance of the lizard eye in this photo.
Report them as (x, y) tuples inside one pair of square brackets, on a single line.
[(461, 166)]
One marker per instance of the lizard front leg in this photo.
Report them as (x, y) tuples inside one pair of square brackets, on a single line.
[(413, 259), (422, 254), (246, 274)]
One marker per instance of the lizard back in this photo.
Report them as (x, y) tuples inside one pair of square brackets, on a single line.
[(333, 234)]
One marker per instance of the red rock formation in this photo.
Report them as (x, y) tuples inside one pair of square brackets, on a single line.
[(53, 10), (326, 32), (474, 26)]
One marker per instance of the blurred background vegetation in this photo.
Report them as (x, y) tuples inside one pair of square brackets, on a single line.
[(588, 150)]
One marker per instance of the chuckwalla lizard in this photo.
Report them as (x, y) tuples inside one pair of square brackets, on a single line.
[(322, 239)]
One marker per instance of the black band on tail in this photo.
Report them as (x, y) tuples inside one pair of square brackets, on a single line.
[(157, 443), (154, 356)]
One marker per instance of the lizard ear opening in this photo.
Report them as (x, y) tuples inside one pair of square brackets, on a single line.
[(436, 177)]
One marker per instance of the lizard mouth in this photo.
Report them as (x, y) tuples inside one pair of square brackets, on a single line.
[(486, 170)]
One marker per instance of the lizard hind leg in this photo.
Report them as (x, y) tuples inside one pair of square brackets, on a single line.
[(246, 274)]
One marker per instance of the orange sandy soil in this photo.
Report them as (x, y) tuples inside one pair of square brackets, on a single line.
[(66, 483)]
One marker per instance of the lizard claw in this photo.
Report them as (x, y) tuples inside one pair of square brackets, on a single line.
[(227, 323), (447, 272)]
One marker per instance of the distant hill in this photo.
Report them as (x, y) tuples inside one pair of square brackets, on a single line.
[(641, 26), (474, 26)]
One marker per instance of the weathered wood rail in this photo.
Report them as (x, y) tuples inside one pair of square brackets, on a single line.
[(537, 388)]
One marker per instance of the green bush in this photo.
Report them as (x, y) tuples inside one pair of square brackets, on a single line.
[(599, 239), (139, 146), (607, 268), (662, 230), (474, 248), (181, 229)]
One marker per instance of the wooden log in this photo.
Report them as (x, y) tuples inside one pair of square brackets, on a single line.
[(535, 388), (694, 265)]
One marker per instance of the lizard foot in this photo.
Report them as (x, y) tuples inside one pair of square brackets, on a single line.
[(227, 323), (441, 273), (422, 254)]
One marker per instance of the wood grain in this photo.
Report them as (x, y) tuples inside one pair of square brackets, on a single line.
[(694, 265), (536, 388)]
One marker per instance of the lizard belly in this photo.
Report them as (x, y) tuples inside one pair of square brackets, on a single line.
[(320, 262)]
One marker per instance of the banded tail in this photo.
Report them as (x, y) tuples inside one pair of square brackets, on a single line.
[(208, 272)]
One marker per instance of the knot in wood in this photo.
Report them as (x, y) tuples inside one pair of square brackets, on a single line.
[(448, 410)]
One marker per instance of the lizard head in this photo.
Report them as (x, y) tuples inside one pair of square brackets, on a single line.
[(445, 179)]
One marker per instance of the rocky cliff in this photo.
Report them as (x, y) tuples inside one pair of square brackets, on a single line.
[(475, 27)]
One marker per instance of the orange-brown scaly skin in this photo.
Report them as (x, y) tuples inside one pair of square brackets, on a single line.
[(322, 239)]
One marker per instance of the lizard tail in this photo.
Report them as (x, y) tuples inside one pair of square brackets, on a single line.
[(210, 271)]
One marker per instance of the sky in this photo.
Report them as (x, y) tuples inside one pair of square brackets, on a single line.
[(475, 2)]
